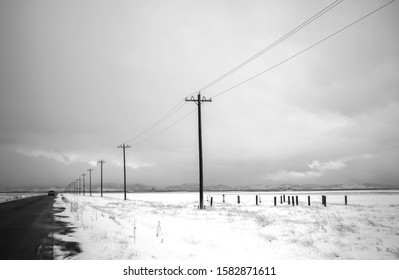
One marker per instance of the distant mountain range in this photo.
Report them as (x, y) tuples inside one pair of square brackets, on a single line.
[(282, 187), (192, 187)]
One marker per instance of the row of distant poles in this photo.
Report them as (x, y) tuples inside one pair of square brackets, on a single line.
[(81, 189)]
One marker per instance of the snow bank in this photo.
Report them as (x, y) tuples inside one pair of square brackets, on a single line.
[(4, 197), (168, 226)]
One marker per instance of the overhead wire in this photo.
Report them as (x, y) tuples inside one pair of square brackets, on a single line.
[(168, 127), (304, 50), (277, 42), (280, 40), (158, 122)]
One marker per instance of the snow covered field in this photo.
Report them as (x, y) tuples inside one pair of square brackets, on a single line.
[(4, 197), (168, 226)]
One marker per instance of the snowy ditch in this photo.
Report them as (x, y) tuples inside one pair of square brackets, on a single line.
[(168, 226)]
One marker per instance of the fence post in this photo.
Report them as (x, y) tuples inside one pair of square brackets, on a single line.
[(256, 199), (308, 200), (293, 201), (238, 199), (223, 198), (296, 200), (211, 200), (260, 199), (275, 201), (289, 200), (283, 197), (346, 200)]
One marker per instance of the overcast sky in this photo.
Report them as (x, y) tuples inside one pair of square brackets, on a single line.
[(78, 78)]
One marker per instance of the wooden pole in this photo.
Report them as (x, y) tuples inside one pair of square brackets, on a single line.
[(275, 201), (308, 200), (238, 199), (346, 200), (256, 199), (201, 174), (223, 199), (289, 200), (296, 200)]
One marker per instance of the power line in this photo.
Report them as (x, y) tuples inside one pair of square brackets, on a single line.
[(304, 50), (286, 36), (162, 131), (283, 38), (158, 122)]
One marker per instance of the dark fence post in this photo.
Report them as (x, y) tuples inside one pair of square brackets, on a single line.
[(308, 200), (324, 200), (238, 199), (289, 200), (346, 200), (296, 200), (211, 200), (256, 199), (223, 198), (283, 197), (293, 201), (275, 201)]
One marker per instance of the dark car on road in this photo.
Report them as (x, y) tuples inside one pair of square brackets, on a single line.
[(51, 193)]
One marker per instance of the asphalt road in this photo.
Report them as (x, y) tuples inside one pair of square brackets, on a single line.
[(26, 228)]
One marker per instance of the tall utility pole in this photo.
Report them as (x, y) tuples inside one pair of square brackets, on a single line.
[(201, 174), (84, 192), (101, 162), (123, 146), (90, 170), (80, 190)]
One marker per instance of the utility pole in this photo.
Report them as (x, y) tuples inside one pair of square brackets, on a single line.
[(101, 162), (77, 186), (123, 146), (84, 192), (90, 170), (80, 189), (201, 174)]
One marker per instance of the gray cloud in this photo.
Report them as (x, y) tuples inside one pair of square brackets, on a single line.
[(78, 78)]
